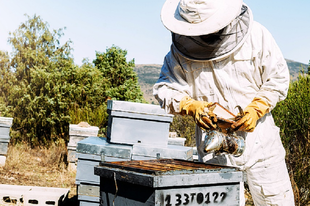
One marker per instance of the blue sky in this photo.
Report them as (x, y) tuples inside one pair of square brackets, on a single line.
[(135, 25)]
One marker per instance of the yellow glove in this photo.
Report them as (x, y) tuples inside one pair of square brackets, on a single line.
[(196, 109), (253, 112)]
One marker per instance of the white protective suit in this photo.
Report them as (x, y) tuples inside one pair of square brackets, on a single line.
[(254, 68)]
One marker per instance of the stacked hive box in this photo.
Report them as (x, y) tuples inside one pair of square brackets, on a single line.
[(136, 123), (136, 131), (89, 154), (78, 132), (5, 125), (174, 140)]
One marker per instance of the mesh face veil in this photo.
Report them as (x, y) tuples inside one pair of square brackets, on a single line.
[(217, 44)]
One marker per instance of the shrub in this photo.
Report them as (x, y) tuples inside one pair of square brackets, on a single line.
[(184, 126), (293, 117)]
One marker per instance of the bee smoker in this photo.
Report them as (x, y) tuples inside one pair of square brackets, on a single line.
[(220, 142)]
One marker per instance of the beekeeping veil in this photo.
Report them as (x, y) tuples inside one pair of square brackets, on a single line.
[(206, 29)]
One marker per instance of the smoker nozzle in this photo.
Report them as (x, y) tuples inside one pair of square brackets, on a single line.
[(219, 142)]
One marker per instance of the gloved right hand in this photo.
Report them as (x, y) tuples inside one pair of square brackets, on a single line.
[(253, 112), (196, 109)]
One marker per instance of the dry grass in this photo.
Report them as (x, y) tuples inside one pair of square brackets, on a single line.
[(39, 167), (45, 168)]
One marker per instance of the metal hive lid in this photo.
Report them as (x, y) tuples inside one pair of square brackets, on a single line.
[(99, 145), (168, 173), (134, 107)]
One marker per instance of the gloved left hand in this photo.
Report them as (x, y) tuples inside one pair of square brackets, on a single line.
[(253, 112), (196, 109)]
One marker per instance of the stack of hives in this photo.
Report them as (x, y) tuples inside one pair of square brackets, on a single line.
[(136, 131), (5, 125), (78, 132)]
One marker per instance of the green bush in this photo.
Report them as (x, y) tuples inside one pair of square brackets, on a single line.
[(293, 117)]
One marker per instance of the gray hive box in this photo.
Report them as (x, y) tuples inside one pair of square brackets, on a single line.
[(137, 123), (90, 152), (176, 141), (5, 125), (77, 132), (168, 182)]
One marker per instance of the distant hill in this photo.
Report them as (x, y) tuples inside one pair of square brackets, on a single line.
[(149, 73), (295, 68)]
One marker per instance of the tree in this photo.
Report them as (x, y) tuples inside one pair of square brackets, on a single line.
[(122, 81), (35, 45), (45, 91), (87, 95), (37, 91), (6, 82)]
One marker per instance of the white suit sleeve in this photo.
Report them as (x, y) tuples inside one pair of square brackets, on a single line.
[(171, 86), (274, 71)]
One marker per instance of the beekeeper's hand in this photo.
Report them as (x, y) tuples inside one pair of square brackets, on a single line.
[(253, 112), (196, 109)]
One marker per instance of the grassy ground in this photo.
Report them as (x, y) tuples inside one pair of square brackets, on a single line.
[(39, 167)]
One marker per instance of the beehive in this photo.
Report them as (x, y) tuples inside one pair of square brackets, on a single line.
[(168, 182)]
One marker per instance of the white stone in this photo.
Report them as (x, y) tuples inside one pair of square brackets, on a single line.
[(32, 195), (2, 160)]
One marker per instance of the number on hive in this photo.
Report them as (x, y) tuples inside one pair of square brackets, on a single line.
[(168, 200), (201, 198)]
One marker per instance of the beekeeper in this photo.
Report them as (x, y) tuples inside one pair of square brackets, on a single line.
[(219, 54)]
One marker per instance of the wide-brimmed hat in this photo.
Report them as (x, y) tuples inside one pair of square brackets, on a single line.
[(199, 17)]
